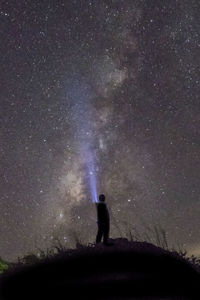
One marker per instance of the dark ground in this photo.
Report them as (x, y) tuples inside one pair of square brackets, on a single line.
[(126, 270)]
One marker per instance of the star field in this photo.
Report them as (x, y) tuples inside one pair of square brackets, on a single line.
[(118, 78)]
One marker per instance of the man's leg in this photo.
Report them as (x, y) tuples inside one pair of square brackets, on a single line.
[(106, 234), (99, 235)]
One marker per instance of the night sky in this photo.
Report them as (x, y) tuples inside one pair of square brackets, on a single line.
[(118, 80)]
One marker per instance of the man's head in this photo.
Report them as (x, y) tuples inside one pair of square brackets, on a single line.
[(102, 198)]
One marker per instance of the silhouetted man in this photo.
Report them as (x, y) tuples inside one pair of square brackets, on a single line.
[(103, 221)]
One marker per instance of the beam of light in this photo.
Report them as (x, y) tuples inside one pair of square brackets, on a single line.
[(92, 176), (80, 94)]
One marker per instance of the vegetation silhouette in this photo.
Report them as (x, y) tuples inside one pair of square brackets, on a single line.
[(129, 270), (3, 265)]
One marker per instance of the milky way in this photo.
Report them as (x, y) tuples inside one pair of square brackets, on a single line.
[(119, 79)]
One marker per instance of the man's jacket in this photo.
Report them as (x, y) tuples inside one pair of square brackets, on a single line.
[(102, 214)]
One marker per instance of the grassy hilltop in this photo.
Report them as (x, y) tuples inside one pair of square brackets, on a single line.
[(126, 270)]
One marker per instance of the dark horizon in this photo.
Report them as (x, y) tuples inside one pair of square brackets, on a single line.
[(127, 270)]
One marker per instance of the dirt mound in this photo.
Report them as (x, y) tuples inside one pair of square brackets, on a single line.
[(126, 270)]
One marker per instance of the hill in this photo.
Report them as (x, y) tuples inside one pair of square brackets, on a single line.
[(126, 270)]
